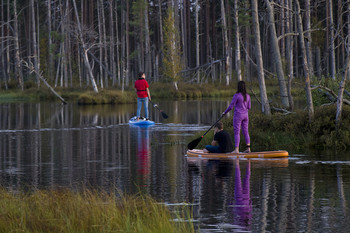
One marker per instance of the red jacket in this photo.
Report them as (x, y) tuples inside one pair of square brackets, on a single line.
[(141, 85)]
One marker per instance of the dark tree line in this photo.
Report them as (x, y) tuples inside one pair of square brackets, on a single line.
[(105, 43)]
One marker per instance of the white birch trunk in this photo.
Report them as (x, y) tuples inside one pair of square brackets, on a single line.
[(85, 56), (260, 68)]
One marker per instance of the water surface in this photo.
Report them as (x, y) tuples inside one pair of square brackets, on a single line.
[(45, 145)]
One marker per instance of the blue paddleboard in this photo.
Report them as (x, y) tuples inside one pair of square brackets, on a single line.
[(141, 121)]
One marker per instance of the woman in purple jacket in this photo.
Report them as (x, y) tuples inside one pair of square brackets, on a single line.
[(241, 102)]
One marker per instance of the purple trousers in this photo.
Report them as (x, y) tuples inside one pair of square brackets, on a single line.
[(241, 120)]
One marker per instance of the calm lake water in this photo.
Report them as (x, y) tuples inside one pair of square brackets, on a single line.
[(45, 145)]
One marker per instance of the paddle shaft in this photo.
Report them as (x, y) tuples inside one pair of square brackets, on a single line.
[(195, 142), (154, 105)]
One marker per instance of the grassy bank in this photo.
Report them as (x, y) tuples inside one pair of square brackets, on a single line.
[(116, 96), (86, 211), (294, 132)]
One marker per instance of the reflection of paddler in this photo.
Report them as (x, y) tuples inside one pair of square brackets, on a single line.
[(243, 204), (143, 152)]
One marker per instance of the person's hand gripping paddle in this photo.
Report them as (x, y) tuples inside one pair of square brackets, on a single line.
[(165, 116)]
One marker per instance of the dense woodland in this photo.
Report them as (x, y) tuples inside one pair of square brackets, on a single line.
[(105, 43)]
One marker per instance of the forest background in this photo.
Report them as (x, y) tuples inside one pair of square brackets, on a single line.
[(103, 44)]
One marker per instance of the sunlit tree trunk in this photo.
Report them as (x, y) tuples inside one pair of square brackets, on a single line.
[(260, 68), (237, 42), (277, 56), (85, 56), (309, 102), (226, 47)]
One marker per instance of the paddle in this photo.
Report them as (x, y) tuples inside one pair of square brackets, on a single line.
[(165, 116), (195, 142)]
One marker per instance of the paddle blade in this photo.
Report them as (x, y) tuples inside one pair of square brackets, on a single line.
[(194, 143), (165, 116)]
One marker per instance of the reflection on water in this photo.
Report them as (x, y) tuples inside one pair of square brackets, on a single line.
[(140, 134), (242, 206), (48, 145)]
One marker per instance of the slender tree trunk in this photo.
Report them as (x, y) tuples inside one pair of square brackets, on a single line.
[(111, 47), (256, 29), (226, 47), (341, 94), (127, 44), (308, 37), (49, 27), (123, 43), (35, 44), (85, 56), (148, 54), (100, 37), (105, 52), (289, 51), (237, 42), (2, 35), (346, 75), (159, 54), (117, 44), (18, 65), (331, 40), (8, 44), (197, 38), (309, 102), (277, 56)]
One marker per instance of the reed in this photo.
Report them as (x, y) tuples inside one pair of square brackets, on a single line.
[(86, 211)]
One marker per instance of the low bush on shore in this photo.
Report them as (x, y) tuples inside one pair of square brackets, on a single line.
[(86, 211)]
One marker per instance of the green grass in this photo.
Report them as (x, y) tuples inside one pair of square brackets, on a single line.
[(86, 211)]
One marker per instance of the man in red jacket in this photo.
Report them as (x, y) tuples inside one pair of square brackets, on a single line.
[(143, 94)]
